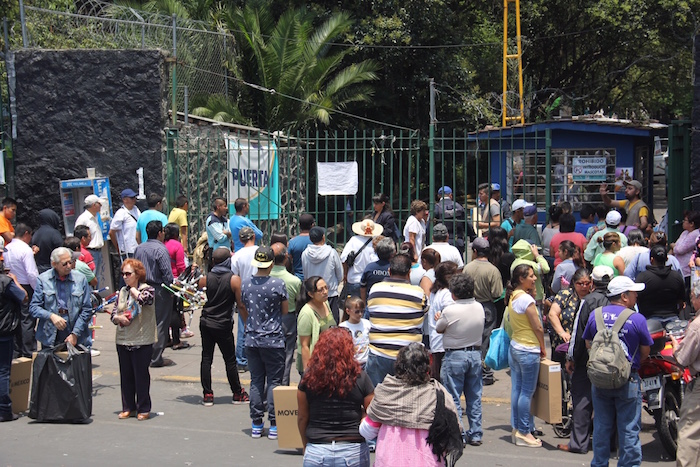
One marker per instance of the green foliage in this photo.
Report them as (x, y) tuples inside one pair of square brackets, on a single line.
[(219, 108), (293, 58)]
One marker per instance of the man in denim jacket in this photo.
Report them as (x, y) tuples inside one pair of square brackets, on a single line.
[(61, 303)]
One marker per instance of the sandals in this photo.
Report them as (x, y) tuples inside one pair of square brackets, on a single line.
[(126, 414), (181, 345), (524, 441)]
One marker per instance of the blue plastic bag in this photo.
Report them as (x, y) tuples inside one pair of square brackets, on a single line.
[(499, 346)]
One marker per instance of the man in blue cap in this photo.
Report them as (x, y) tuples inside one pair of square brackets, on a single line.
[(122, 229), (452, 214), (505, 205)]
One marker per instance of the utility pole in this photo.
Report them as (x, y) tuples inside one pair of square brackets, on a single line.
[(431, 148)]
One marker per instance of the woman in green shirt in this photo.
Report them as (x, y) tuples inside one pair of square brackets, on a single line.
[(612, 244), (313, 318)]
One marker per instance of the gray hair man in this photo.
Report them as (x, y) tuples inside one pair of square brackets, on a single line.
[(61, 303)]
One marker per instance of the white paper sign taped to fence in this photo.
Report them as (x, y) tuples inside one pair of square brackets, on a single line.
[(337, 178), (253, 174), (589, 169)]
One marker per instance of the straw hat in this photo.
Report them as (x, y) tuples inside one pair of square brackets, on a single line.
[(367, 228)]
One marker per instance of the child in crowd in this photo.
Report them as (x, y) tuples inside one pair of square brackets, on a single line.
[(358, 327)]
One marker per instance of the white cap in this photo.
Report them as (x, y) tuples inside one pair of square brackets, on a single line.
[(613, 218), (519, 204), (622, 284), (602, 272), (92, 199)]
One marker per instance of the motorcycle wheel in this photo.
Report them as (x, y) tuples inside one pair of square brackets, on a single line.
[(667, 422)]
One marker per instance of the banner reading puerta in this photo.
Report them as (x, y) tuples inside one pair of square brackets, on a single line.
[(253, 174)]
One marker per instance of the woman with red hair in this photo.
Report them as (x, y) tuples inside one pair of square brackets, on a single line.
[(332, 397)]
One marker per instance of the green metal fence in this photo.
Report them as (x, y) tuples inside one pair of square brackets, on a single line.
[(387, 162)]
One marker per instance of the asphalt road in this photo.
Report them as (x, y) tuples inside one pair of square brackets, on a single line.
[(183, 432)]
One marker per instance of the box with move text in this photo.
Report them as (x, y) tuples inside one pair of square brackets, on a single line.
[(285, 398)]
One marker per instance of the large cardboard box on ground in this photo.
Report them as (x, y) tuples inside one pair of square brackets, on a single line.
[(285, 398), (20, 380), (546, 402)]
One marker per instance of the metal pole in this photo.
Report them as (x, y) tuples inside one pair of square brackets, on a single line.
[(431, 148), (25, 42), (187, 108), (174, 79)]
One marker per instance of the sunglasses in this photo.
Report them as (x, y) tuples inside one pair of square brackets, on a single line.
[(67, 263), (127, 273)]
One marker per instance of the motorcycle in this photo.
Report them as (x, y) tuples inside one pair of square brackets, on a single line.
[(663, 381)]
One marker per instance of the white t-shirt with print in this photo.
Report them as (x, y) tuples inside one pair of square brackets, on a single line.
[(360, 337)]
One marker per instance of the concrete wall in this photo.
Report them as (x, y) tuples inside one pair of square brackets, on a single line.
[(87, 108)]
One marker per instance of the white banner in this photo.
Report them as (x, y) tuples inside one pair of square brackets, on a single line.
[(337, 178)]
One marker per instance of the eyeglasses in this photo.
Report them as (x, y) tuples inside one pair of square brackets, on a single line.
[(126, 273), (584, 283), (68, 263)]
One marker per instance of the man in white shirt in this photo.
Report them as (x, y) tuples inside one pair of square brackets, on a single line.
[(441, 245), (122, 230), (362, 250), (242, 266), (19, 259), (88, 218)]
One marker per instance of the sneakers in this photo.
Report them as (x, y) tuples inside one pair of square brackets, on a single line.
[(208, 400), (242, 368), (272, 432), (186, 333), (241, 398), (257, 430), (94, 353)]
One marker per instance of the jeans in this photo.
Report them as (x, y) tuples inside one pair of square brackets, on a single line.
[(97, 259), (289, 326), (241, 359), (336, 454), (135, 377), (625, 403), (224, 339), (6, 344), (461, 372), (378, 367), (524, 371), (25, 340), (266, 368)]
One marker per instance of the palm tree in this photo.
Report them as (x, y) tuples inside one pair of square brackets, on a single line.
[(219, 108), (297, 60)]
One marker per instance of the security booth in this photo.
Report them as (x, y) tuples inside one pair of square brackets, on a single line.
[(567, 160), (73, 193)]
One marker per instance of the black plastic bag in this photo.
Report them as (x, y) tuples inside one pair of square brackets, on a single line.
[(62, 387)]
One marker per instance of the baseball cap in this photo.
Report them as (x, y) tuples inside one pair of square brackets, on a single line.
[(621, 284), (530, 210), (245, 234), (316, 234), (128, 193), (495, 187), (520, 204), (613, 218), (445, 190), (480, 244), (440, 229), (635, 183), (602, 273), (92, 199), (263, 257)]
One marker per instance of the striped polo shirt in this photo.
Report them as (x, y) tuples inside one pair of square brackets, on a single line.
[(396, 311)]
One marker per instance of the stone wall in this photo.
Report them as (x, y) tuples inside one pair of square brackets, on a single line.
[(87, 108)]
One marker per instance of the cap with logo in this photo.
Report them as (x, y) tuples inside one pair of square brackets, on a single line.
[(264, 256)]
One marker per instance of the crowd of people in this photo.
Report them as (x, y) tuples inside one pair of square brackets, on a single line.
[(387, 334)]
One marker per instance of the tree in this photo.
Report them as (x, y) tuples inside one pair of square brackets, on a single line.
[(299, 75)]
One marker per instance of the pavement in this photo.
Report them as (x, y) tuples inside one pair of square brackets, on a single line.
[(182, 431)]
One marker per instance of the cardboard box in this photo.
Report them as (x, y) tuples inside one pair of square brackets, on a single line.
[(285, 398), (20, 380), (546, 402)]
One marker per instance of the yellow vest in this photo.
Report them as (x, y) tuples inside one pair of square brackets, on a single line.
[(521, 331)]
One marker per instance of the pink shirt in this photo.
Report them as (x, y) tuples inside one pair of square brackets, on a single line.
[(404, 447), (578, 239), (177, 256)]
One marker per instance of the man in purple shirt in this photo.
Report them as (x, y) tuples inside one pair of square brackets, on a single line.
[(624, 403)]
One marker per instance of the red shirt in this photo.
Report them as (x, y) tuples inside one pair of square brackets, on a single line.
[(86, 257), (578, 239)]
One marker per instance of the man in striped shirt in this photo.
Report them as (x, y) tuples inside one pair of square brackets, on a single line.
[(396, 311)]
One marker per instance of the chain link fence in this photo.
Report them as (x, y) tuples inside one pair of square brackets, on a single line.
[(201, 53)]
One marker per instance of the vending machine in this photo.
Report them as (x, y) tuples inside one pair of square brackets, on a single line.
[(73, 193)]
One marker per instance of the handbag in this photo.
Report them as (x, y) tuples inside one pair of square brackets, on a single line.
[(499, 346), (61, 384)]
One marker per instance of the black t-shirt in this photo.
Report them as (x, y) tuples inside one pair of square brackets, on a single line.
[(331, 418)]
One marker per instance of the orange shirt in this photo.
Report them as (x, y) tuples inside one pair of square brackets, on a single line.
[(5, 225)]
